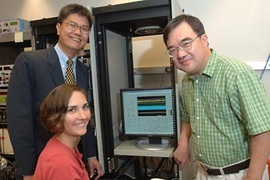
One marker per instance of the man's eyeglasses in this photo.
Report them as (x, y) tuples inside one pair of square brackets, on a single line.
[(74, 26), (184, 46)]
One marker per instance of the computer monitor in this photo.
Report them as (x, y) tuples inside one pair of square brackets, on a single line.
[(148, 113)]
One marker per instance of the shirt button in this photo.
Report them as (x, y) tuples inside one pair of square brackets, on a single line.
[(198, 118), (198, 137), (197, 99), (197, 81), (200, 155)]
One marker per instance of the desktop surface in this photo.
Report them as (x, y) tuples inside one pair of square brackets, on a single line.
[(128, 148)]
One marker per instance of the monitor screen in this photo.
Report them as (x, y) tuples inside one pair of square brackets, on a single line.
[(148, 112)]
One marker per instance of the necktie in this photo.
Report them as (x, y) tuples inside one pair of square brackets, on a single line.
[(70, 77)]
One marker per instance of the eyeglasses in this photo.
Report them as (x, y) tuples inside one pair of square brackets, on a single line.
[(184, 46), (74, 26)]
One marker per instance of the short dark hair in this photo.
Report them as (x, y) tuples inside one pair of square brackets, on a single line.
[(54, 107), (193, 21), (73, 9)]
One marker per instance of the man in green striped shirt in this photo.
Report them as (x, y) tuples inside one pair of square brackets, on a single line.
[(225, 111)]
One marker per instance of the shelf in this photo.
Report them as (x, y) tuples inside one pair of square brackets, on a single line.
[(10, 37), (152, 70), (128, 148)]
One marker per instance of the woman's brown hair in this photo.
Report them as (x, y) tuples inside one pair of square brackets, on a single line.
[(54, 107)]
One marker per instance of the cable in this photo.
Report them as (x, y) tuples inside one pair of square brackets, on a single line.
[(123, 176), (163, 73), (159, 166), (265, 66)]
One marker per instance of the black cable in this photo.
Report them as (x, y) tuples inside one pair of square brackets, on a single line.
[(123, 167), (164, 72), (172, 165), (159, 166), (145, 166), (124, 176)]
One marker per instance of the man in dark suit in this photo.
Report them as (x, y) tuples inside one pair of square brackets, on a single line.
[(33, 76)]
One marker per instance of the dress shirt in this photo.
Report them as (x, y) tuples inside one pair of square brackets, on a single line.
[(225, 106), (63, 60)]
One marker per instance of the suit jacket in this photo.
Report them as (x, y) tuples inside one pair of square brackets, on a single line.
[(34, 75)]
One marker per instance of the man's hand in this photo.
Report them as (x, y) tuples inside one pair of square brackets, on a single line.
[(95, 168), (181, 156)]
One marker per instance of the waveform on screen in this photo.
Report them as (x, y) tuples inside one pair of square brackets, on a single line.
[(151, 106)]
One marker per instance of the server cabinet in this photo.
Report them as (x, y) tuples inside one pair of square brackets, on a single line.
[(44, 32), (112, 63)]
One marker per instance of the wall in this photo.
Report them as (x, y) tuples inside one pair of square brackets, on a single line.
[(235, 28), (38, 9), (239, 29)]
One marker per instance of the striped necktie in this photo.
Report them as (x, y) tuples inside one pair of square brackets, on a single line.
[(70, 77)]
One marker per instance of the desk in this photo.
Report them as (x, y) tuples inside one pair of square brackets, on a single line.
[(128, 148)]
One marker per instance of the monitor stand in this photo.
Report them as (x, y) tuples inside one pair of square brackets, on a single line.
[(153, 144)]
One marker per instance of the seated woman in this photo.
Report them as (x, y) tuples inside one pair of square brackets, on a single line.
[(64, 113)]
